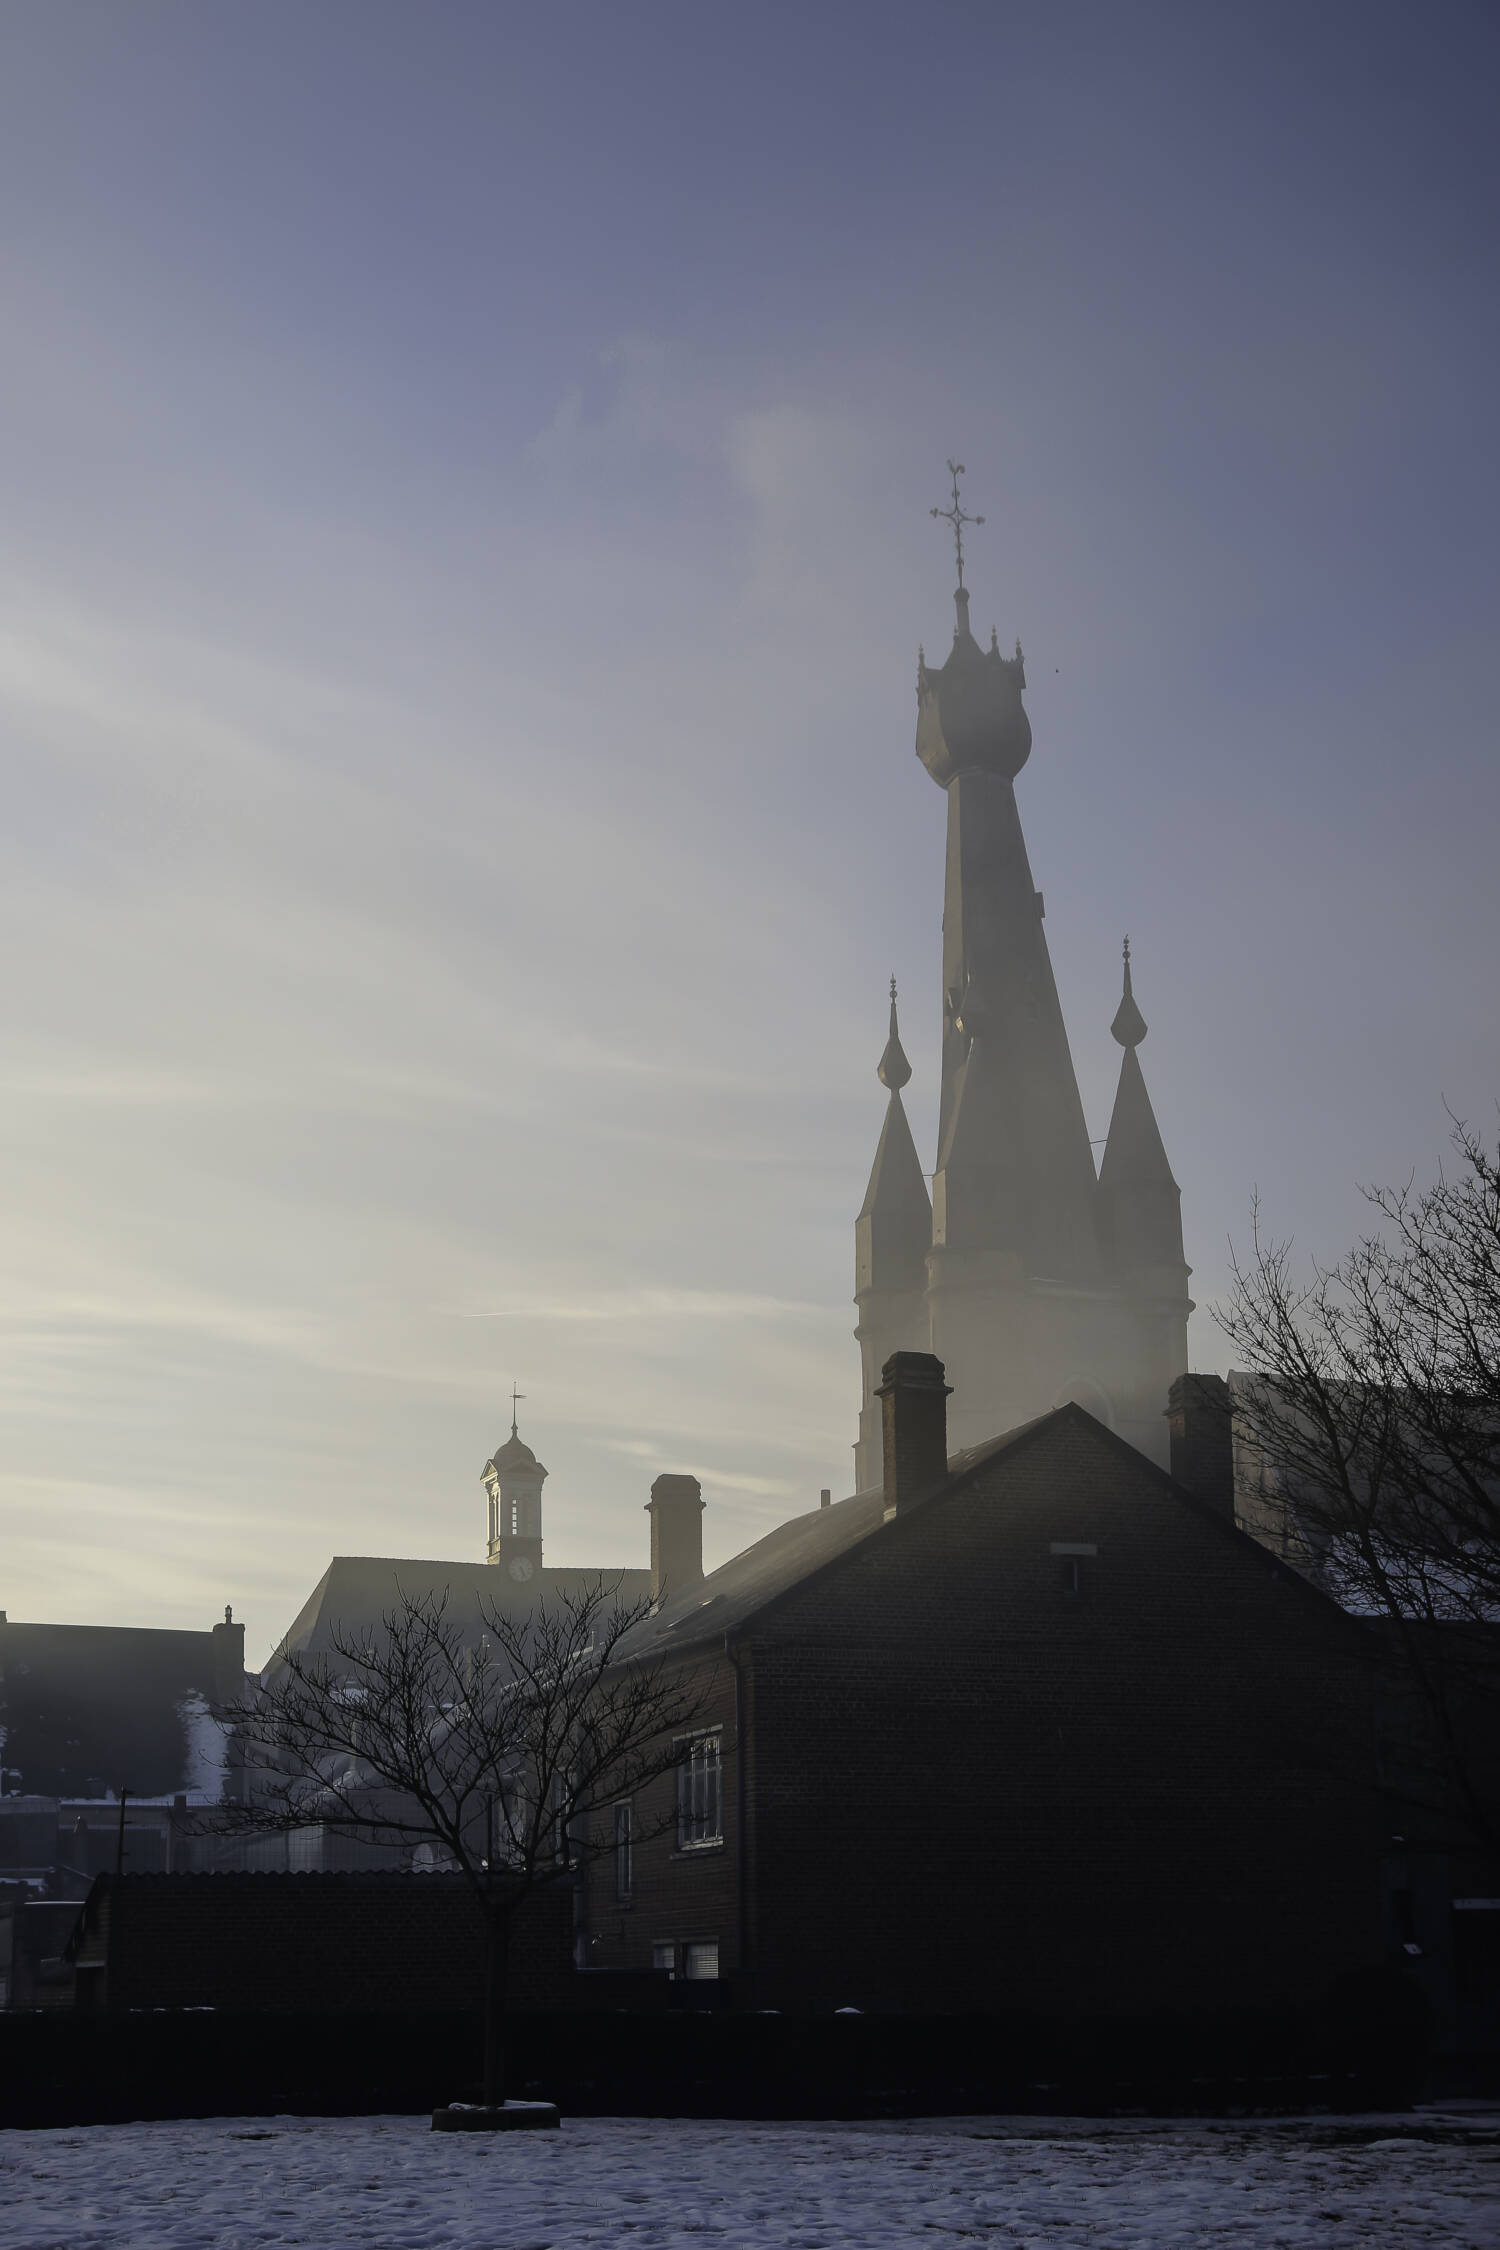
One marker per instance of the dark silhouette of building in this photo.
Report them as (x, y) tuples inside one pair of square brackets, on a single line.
[(1027, 1727), (89, 1709)]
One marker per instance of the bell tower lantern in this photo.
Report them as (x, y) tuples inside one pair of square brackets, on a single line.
[(513, 1480)]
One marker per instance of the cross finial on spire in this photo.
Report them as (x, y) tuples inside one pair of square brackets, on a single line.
[(515, 1397), (1129, 1026), (955, 515), (894, 1070)]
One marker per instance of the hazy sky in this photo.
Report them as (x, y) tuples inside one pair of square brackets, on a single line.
[(463, 554)]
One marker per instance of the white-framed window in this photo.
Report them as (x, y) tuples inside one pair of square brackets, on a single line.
[(701, 1959), (664, 1956), (624, 1843), (700, 1792)]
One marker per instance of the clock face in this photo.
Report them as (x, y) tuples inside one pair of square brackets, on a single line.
[(521, 1568)]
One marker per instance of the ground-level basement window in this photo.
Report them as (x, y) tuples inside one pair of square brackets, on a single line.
[(664, 1955), (700, 1793), (701, 1960)]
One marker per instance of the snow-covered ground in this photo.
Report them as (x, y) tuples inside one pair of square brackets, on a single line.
[(388, 2183)]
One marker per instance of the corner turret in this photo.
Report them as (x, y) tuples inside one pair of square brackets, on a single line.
[(892, 1236), (1140, 1205), (1140, 1233)]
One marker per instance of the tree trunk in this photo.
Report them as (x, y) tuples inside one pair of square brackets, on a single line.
[(496, 1952)]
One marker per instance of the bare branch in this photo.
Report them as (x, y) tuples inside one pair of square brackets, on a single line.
[(1376, 1418)]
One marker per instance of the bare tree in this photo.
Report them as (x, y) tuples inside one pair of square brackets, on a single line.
[(1378, 1412), (499, 1752)]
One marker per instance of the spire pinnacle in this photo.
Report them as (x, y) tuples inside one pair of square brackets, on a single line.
[(955, 515), (893, 1069), (1129, 1026)]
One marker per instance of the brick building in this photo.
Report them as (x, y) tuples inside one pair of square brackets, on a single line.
[(1034, 1727), (85, 1709)]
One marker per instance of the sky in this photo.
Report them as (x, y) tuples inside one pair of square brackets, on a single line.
[(464, 552)]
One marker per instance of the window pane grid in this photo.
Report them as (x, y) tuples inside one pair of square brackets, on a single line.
[(700, 1796)]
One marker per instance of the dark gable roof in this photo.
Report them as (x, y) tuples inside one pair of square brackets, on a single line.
[(742, 1589), (356, 1592), (88, 1709), (789, 1555)]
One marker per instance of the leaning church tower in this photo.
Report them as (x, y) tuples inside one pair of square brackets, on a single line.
[(1040, 1280)]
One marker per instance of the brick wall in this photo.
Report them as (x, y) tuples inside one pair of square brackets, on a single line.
[(284, 1943), (677, 1897), (969, 1785), (976, 1787)]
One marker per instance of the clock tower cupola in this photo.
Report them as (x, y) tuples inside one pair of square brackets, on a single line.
[(513, 1480)]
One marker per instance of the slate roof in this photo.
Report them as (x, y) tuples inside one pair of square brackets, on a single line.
[(790, 1553), (356, 1591), (731, 1596)]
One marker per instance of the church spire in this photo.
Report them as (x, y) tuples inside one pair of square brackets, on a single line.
[(892, 1236), (893, 1069), (1015, 1171), (893, 1232), (1129, 1026), (1044, 1281), (1140, 1206)]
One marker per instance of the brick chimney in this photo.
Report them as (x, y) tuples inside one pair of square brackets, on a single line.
[(228, 1644), (1200, 1418), (914, 1427), (676, 1512)]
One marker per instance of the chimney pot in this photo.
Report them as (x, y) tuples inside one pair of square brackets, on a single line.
[(914, 1427), (676, 1512)]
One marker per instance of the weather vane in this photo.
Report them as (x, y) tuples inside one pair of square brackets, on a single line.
[(955, 515), (515, 1397)]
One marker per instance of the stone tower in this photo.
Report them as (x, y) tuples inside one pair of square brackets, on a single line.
[(1043, 1281), (513, 1480)]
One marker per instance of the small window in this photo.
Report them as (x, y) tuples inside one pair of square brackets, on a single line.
[(700, 1793), (624, 1850), (701, 1961), (664, 1956), (1071, 1554)]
